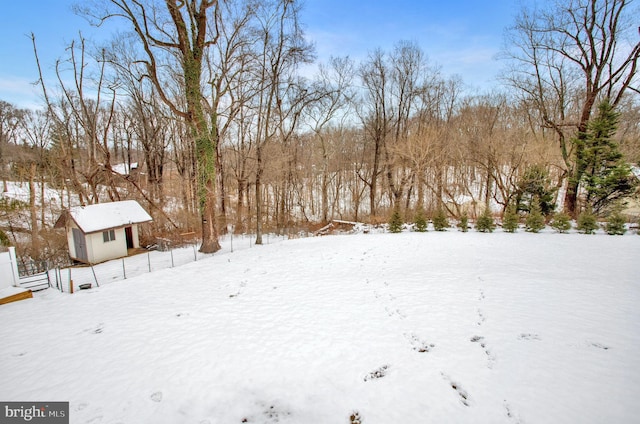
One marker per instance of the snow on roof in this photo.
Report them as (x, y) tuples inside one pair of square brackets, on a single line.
[(101, 216), (124, 168)]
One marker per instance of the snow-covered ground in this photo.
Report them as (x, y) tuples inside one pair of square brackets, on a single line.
[(372, 328)]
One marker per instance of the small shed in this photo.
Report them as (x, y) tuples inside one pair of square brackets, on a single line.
[(104, 231)]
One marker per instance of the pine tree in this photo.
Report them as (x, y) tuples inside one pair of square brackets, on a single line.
[(534, 184), (606, 177), (420, 221), (395, 223), (510, 219), (616, 224), (587, 222), (561, 222), (464, 223), (535, 219), (440, 221), (485, 223)]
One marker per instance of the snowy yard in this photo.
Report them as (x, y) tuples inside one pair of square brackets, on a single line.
[(372, 328)]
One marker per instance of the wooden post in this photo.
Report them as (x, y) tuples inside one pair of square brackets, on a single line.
[(94, 276), (71, 286), (124, 270)]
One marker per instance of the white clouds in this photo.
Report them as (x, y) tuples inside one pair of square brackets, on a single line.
[(19, 91)]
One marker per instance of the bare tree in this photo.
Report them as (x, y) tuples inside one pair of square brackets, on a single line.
[(184, 30), (567, 57), (334, 87), (279, 47)]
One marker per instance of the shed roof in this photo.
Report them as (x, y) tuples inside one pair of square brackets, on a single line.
[(102, 216)]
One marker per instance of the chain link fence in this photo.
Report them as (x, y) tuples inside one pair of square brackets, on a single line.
[(74, 278), (80, 277)]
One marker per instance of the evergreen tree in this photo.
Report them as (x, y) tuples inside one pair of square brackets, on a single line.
[(510, 219), (440, 221), (616, 224), (420, 221), (535, 184), (587, 222), (606, 176), (561, 222), (485, 223), (395, 223), (464, 222), (535, 219)]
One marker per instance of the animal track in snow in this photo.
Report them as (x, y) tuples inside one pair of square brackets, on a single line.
[(481, 317), (391, 312), (510, 413), (376, 374), (481, 297), (270, 414), (490, 356), (529, 336), (463, 394), (419, 345)]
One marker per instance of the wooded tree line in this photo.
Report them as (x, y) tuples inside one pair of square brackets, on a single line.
[(203, 110)]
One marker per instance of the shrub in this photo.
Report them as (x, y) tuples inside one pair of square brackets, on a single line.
[(510, 219), (4, 240), (420, 221), (485, 223), (535, 219), (587, 223), (440, 221), (395, 223), (616, 224), (464, 223), (561, 222)]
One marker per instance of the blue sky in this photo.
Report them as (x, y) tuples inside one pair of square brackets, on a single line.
[(462, 36)]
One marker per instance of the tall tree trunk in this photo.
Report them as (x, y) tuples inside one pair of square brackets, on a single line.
[(35, 237)]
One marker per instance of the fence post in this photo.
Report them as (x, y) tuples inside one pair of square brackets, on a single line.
[(195, 253), (149, 260), (124, 270), (94, 276), (70, 282), (171, 251), (13, 263)]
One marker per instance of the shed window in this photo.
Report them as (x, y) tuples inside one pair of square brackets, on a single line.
[(109, 235)]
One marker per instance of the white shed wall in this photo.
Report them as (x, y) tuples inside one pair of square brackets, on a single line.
[(99, 251)]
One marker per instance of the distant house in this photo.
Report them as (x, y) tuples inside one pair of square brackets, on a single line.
[(97, 233)]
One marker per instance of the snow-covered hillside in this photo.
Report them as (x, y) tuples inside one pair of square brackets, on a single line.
[(372, 328)]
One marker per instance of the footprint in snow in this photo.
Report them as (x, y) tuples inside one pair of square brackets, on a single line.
[(463, 394), (376, 374), (156, 397), (510, 413), (600, 346), (481, 317), (99, 329), (529, 336), (419, 345), (490, 356)]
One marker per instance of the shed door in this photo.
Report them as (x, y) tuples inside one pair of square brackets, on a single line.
[(80, 244), (129, 236)]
